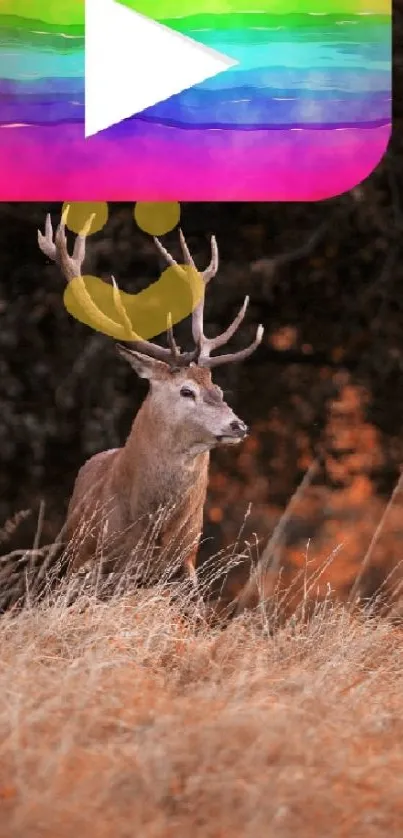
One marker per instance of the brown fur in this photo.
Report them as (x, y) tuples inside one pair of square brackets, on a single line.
[(164, 464)]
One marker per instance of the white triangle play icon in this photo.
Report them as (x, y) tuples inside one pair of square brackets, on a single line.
[(132, 63)]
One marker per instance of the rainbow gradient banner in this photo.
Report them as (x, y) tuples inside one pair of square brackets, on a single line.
[(304, 115)]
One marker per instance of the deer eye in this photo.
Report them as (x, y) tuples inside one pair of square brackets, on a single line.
[(187, 393)]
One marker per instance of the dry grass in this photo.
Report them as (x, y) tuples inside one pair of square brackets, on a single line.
[(125, 719)]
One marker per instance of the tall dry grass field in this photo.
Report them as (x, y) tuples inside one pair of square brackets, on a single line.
[(124, 718)]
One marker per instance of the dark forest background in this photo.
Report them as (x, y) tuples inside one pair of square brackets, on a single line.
[(326, 386)]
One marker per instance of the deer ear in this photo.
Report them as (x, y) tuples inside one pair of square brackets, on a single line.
[(143, 365)]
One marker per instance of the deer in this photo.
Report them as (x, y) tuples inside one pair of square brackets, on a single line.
[(164, 463)]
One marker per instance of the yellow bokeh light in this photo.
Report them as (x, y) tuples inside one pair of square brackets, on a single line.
[(93, 301), (175, 294), (85, 216), (157, 217)]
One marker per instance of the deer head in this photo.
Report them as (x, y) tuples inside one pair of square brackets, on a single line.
[(182, 393)]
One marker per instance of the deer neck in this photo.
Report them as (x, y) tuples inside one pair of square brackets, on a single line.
[(160, 458)]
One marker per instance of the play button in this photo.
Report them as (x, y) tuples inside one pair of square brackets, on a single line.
[(133, 62)]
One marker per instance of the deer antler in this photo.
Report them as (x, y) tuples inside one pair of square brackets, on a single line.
[(55, 248), (204, 345)]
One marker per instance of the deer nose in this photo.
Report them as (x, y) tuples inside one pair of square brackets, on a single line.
[(239, 427)]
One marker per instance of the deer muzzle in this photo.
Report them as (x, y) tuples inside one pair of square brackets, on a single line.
[(235, 432)]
